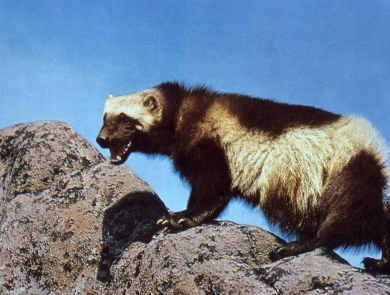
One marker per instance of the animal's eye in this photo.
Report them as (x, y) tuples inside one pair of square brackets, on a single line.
[(125, 120)]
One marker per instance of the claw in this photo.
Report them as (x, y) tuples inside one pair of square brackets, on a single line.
[(165, 222), (165, 230), (160, 221), (181, 221)]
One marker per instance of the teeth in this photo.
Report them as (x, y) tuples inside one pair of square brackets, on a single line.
[(118, 159), (127, 146), (119, 152)]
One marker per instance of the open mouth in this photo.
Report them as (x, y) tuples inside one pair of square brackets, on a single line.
[(119, 153)]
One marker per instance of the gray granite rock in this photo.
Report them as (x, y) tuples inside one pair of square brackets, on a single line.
[(66, 213)]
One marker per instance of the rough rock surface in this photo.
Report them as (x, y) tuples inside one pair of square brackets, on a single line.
[(66, 214), (72, 223)]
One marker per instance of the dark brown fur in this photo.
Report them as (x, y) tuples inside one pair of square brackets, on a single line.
[(267, 115)]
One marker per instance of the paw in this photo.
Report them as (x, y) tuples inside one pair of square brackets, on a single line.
[(369, 263), (171, 223), (176, 221), (375, 265)]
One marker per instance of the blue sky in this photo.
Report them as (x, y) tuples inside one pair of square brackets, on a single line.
[(60, 59)]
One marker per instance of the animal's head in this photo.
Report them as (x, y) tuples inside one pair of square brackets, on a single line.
[(127, 119)]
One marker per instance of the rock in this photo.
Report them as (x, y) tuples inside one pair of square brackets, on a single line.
[(72, 223), (66, 213), (319, 272), (213, 259)]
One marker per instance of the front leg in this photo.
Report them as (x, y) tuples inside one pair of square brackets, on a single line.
[(201, 209), (206, 169)]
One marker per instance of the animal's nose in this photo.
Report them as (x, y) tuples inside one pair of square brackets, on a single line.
[(103, 141)]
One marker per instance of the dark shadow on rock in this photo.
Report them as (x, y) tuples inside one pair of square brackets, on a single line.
[(131, 219)]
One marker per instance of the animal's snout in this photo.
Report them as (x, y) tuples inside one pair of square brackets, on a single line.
[(103, 141)]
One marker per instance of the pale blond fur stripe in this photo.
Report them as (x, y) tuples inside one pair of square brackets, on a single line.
[(260, 165)]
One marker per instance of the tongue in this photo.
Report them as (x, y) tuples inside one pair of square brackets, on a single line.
[(117, 152)]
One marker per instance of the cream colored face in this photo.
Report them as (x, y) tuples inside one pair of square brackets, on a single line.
[(124, 117), (143, 106)]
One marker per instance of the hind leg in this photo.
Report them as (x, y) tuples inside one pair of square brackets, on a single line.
[(292, 249), (328, 236), (350, 212)]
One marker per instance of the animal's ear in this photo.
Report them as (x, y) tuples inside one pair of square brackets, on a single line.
[(151, 103)]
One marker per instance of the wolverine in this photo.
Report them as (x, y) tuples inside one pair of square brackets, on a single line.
[(317, 175)]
